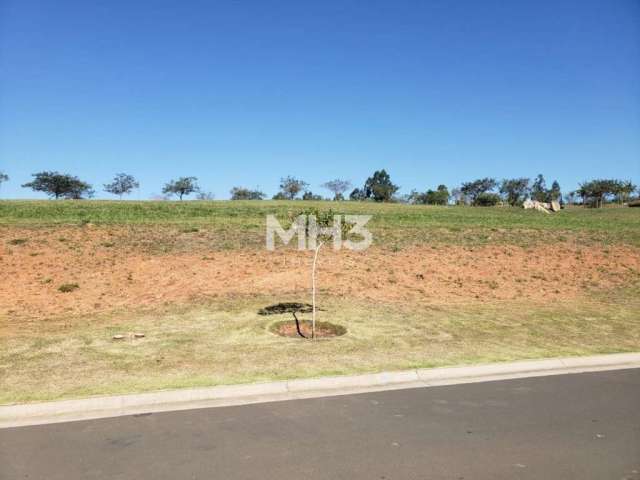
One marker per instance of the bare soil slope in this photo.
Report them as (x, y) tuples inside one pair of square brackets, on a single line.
[(120, 267)]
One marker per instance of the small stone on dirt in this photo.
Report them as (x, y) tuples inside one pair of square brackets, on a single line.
[(118, 337), (138, 335)]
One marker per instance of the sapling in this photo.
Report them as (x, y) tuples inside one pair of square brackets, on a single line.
[(320, 228)]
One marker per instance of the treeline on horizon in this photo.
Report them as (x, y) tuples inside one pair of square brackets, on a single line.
[(377, 188)]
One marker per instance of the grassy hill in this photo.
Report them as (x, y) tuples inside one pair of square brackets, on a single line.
[(390, 223)]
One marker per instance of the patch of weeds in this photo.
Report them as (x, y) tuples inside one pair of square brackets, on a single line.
[(46, 280), (68, 287), (190, 230), (108, 244), (62, 239), (17, 241)]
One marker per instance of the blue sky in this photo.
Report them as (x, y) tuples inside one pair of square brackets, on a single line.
[(244, 92)]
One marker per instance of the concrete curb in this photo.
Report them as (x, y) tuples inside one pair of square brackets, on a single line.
[(113, 406)]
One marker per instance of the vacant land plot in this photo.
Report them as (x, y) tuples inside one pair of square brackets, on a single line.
[(440, 286)]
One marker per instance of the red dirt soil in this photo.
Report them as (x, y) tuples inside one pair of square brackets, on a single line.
[(112, 274)]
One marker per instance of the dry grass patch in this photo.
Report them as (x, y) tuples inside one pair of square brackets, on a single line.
[(228, 342)]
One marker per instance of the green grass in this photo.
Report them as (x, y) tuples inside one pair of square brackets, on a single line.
[(391, 223), (228, 342)]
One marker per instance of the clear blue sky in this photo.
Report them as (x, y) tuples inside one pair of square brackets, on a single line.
[(244, 92)]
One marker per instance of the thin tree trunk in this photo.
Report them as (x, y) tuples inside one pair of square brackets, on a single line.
[(313, 291)]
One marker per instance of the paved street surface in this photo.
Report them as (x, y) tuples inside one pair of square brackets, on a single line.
[(583, 426)]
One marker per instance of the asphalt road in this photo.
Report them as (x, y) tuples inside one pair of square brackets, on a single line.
[(582, 426)]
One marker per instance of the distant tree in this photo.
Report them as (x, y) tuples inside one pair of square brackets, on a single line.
[(280, 196), (570, 198), (440, 196), (595, 192), (208, 196), (357, 195), (240, 193), (181, 187), (3, 178), (415, 197), (291, 187), (123, 184), (539, 189), (554, 194), (459, 198), (487, 199), (379, 187), (472, 190), (515, 190), (309, 195), (337, 187), (623, 189), (59, 185)]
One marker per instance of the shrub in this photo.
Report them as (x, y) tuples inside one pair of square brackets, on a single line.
[(487, 200), (68, 287)]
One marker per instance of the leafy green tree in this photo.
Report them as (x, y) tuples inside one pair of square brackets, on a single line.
[(59, 185), (337, 187), (472, 190), (309, 195), (240, 193), (554, 193), (595, 192), (3, 178), (181, 187), (623, 189), (357, 195), (539, 189), (122, 184), (379, 187), (291, 187), (280, 196), (487, 199), (515, 190), (440, 196)]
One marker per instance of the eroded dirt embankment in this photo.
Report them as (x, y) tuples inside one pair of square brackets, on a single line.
[(114, 269)]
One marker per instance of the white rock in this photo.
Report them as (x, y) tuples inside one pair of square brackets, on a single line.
[(540, 207)]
